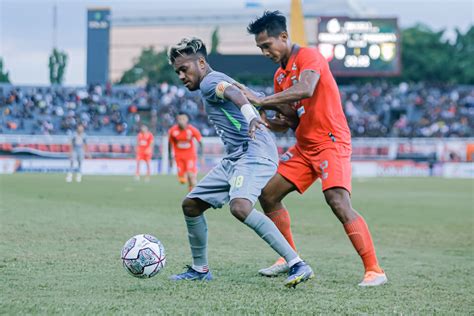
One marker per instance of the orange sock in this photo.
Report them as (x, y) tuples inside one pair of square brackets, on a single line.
[(359, 234), (282, 220)]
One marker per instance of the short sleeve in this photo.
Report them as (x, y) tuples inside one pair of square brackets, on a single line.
[(309, 59), (196, 133), (210, 84)]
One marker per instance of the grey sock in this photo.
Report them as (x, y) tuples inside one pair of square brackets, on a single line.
[(267, 230), (197, 235)]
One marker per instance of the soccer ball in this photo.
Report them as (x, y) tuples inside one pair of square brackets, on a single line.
[(143, 256)]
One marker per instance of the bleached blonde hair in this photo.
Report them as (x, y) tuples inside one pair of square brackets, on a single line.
[(187, 46)]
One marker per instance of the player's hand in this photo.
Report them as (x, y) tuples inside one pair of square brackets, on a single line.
[(292, 121), (252, 97), (255, 124)]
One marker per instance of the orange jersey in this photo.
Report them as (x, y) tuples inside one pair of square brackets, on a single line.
[(322, 119), (144, 141), (182, 140)]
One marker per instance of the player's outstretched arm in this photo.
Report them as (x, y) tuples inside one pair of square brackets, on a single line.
[(71, 147), (201, 152), (170, 154), (86, 151), (303, 89), (200, 149), (237, 97)]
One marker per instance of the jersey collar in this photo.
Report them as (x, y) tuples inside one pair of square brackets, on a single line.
[(294, 52)]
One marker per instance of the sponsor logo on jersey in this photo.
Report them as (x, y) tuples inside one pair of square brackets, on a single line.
[(183, 145), (280, 78)]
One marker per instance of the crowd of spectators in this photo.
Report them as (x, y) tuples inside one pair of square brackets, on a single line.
[(403, 110), (372, 110)]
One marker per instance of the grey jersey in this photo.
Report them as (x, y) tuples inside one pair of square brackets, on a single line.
[(78, 141), (231, 125)]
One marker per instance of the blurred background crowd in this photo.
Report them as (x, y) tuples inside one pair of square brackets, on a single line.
[(372, 109)]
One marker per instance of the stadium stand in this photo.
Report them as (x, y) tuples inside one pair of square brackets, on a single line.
[(373, 110)]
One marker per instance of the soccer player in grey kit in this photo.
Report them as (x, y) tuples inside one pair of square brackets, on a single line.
[(76, 153), (251, 160)]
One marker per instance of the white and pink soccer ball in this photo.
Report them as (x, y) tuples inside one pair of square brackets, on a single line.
[(143, 256)]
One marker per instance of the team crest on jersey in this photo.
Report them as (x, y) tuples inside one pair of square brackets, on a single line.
[(294, 67), (280, 78), (175, 133)]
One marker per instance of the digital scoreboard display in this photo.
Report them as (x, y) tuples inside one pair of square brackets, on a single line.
[(98, 35), (360, 47)]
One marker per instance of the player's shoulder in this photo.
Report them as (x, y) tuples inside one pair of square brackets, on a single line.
[(215, 77), (192, 127), (174, 131), (308, 52)]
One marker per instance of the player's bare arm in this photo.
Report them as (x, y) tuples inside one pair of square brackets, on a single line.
[(285, 118), (86, 151), (170, 153), (237, 97), (200, 149), (150, 147), (303, 89)]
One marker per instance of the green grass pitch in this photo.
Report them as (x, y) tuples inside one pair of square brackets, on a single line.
[(60, 250)]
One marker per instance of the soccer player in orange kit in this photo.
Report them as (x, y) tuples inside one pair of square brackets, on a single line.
[(181, 136), (144, 151), (304, 83)]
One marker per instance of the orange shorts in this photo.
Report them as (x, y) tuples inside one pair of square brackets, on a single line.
[(331, 164), (186, 165), (144, 156)]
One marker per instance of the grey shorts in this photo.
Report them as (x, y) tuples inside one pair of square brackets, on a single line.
[(243, 178), (77, 155)]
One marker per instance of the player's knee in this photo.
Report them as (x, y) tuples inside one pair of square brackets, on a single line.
[(339, 201), (190, 208), (240, 208), (267, 200)]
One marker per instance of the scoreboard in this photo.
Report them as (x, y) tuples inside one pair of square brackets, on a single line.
[(360, 47), (98, 35)]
